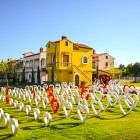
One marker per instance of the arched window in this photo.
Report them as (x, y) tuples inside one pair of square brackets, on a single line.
[(106, 57), (84, 59), (106, 64), (30, 78), (66, 43), (77, 80)]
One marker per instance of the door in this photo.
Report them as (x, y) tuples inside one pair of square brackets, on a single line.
[(77, 79), (65, 60)]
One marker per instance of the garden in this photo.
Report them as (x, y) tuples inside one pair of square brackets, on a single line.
[(67, 112)]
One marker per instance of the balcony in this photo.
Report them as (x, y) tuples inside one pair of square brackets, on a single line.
[(50, 64), (29, 69), (60, 65), (19, 70)]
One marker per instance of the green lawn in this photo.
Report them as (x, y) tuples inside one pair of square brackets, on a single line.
[(109, 125), (128, 82)]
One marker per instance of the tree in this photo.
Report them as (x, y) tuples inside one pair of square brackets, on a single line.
[(23, 75), (12, 71), (52, 74), (97, 72), (4, 70), (33, 79), (136, 69), (112, 70), (131, 69), (38, 75), (122, 68)]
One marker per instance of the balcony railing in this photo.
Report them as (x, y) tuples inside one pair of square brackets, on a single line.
[(50, 64), (34, 67), (27, 68), (58, 64), (19, 69)]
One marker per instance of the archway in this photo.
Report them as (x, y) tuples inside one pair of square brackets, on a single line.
[(77, 80)]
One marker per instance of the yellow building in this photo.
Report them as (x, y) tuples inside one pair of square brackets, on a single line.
[(69, 62)]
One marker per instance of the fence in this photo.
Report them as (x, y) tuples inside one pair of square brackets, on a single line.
[(131, 78)]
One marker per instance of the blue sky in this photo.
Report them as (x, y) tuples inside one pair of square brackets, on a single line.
[(112, 25)]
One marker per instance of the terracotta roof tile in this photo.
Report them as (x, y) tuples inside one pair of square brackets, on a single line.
[(33, 54), (27, 52), (100, 54), (82, 46), (52, 42), (76, 46)]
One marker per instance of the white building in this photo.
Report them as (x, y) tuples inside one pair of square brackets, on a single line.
[(30, 62)]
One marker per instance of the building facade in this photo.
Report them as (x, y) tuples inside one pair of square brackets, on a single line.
[(30, 64), (104, 63), (67, 61)]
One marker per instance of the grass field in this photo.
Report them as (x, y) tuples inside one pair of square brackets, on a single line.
[(109, 125), (137, 84)]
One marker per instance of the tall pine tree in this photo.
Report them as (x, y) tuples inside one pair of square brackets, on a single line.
[(4, 70), (38, 75), (33, 78), (23, 75)]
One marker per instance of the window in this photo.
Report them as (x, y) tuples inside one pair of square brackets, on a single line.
[(48, 45), (30, 77), (106, 57), (106, 64), (42, 61), (66, 43), (65, 60), (84, 60)]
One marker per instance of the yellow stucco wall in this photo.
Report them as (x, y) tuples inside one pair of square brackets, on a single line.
[(62, 75), (86, 68), (67, 74)]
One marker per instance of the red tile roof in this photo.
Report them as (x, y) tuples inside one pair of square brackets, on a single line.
[(94, 55), (82, 46), (100, 54), (76, 46), (52, 42)]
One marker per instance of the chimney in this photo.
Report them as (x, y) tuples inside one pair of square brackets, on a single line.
[(41, 50), (64, 37), (94, 52)]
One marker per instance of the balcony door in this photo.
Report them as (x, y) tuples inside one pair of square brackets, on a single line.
[(65, 60)]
